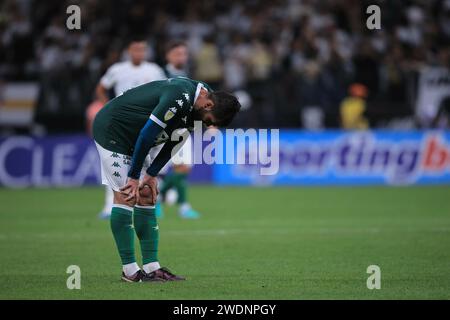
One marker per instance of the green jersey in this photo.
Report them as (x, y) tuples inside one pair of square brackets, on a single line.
[(169, 103)]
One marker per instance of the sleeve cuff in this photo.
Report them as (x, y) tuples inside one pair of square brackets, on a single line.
[(151, 171), (106, 84), (159, 122)]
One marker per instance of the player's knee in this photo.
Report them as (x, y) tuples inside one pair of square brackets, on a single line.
[(145, 202), (144, 197), (120, 198), (131, 203)]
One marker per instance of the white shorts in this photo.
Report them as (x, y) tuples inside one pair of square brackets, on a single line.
[(115, 166)]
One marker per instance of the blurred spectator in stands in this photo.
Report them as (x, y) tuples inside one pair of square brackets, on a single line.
[(366, 68), (17, 39), (261, 47), (442, 119), (208, 66), (353, 108), (177, 58), (237, 54)]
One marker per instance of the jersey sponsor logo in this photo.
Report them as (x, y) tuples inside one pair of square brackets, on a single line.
[(170, 113), (161, 138)]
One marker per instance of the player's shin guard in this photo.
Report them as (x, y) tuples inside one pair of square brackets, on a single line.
[(147, 230), (122, 229)]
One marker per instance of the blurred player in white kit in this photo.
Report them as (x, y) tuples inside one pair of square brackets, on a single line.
[(131, 73), (174, 181)]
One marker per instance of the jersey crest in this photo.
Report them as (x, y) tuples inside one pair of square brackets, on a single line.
[(170, 113)]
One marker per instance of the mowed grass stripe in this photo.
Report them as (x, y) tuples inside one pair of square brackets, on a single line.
[(251, 243)]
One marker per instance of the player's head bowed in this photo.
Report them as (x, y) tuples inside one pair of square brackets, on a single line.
[(216, 108)]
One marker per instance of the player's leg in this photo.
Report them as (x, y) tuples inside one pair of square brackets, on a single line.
[(147, 230), (121, 222), (91, 112), (181, 169), (114, 169), (180, 175), (109, 199), (151, 156), (146, 225), (167, 183)]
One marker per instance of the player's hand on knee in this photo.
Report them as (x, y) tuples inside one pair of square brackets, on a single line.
[(131, 189), (150, 183)]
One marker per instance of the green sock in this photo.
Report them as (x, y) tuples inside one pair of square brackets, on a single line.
[(147, 231), (181, 186), (167, 183), (122, 229)]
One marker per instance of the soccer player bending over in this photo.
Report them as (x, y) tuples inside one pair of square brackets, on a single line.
[(126, 131)]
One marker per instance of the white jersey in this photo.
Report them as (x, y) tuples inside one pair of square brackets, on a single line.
[(125, 75)]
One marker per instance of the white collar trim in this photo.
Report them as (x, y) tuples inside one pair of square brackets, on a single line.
[(197, 91)]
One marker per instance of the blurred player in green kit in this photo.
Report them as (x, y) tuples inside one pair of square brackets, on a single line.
[(175, 175)]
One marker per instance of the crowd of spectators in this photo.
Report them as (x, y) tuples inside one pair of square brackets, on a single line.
[(294, 60)]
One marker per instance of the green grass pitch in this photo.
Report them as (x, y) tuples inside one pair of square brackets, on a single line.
[(251, 243)]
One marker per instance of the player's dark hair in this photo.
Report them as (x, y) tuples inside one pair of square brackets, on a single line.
[(136, 38), (225, 107), (174, 44)]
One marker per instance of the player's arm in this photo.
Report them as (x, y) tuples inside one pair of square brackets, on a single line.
[(106, 82), (146, 139), (144, 142), (165, 154), (159, 73), (159, 119), (101, 93), (170, 148)]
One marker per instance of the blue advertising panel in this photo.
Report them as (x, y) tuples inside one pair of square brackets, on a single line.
[(350, 158), (59, 161), (48, 161), (304, 158)]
